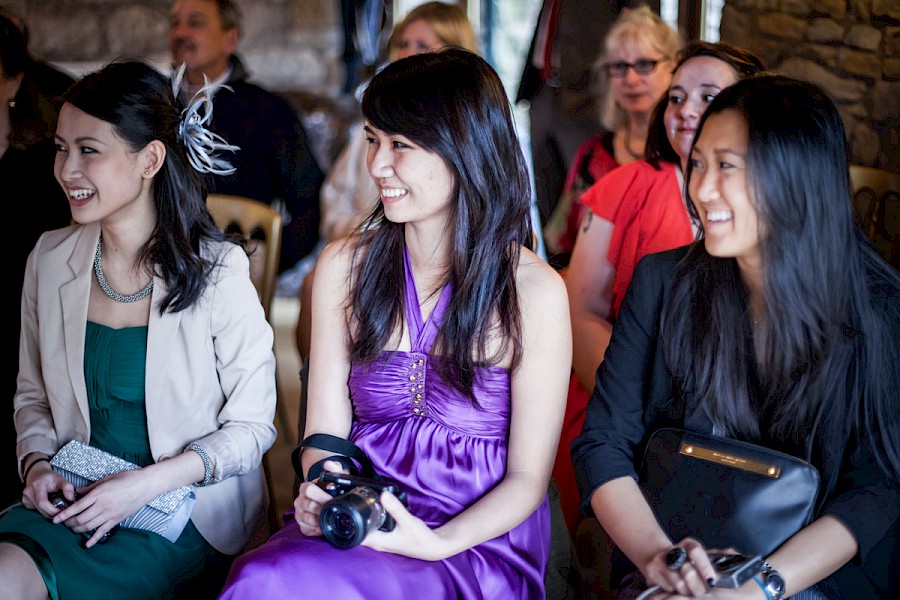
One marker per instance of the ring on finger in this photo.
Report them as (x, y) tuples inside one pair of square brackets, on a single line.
[(676, 557)]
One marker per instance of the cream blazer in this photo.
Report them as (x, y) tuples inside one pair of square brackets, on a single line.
[(210, 375)]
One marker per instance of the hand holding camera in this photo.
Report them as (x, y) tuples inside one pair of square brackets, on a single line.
[(733, 570), (355, 509)]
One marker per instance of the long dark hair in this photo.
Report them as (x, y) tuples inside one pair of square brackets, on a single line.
[(138, 102), (451, 103), (745, 63), (829, 346)]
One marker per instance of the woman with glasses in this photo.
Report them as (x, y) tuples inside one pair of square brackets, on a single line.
[(638, 209), (634, 71), (636, 68)]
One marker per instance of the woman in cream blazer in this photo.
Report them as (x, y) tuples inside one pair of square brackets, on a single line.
[(177, 377), (191, 396)]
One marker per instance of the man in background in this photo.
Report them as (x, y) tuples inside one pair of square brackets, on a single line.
[(274, 164)]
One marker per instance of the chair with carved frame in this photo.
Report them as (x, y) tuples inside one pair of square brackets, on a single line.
[(261, 224), (876, 201)]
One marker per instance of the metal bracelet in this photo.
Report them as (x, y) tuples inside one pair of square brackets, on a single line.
[(207, 463)]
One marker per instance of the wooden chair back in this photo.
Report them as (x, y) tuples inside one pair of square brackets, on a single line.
[(261, 223), (876, 200)]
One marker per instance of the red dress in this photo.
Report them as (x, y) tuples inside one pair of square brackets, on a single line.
[(593, 160), (648, 215)]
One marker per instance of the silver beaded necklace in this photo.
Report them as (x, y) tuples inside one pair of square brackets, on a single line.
[(98, 271)]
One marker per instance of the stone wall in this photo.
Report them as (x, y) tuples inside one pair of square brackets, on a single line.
[(851, 48), (287, 44)]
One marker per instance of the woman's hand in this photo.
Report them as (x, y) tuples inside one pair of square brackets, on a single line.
[(410, 537), (42, 482), (104, 504), (309, 501), (744, 593), (689, 578)]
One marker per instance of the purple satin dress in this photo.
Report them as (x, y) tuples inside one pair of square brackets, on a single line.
[(446, 453)]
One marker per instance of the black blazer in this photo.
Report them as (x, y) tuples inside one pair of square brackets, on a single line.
[(634, 397)]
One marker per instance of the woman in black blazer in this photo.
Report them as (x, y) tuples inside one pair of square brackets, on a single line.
[(780, 327)]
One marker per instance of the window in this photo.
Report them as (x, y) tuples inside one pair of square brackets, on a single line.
[(506, 26)]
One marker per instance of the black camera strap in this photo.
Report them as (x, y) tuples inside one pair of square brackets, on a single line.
[(345, 451)]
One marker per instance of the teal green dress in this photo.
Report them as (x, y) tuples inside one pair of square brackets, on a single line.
[(134, 563)]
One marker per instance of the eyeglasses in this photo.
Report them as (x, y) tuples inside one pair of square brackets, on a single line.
[(641, 67)]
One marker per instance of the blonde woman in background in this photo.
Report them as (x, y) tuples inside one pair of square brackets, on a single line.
[(636, 69), (641, 48)]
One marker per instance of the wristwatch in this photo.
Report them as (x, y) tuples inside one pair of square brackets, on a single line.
[(773, 582)]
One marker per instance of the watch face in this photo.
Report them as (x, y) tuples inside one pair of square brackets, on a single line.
[(775, 583)]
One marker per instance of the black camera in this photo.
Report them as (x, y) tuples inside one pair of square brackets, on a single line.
[(733, 570), (355, 509)]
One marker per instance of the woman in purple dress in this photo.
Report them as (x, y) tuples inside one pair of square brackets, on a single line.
[(441, 347)]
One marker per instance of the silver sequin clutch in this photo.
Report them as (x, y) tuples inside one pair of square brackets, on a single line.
[(167, 514)]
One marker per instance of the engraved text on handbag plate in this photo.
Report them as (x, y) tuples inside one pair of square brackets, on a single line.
[(730, 460)]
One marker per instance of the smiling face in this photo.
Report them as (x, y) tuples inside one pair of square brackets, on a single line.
[(638, 94), (719, 189), (415, 184), (197, 39), (418, 37), (101, 176), (696, 82)]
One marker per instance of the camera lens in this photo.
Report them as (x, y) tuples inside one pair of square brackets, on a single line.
[(346, 520)]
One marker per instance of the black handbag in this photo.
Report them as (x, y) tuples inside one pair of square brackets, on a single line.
[(726, 493)]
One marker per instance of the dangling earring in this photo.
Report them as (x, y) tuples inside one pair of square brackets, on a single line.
[(12, 102)]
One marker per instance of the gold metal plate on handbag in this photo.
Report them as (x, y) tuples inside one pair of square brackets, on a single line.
[(731, 460)]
